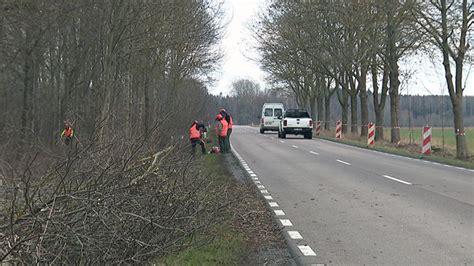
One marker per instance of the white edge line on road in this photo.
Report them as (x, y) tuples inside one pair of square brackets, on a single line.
[(279, 212), (398, 180), (294, 146), (273, 204), (313, 152), (295, 235), (268, 197), (258, 182), (306, 250), (264, 191), (286, 222), (346, 163)]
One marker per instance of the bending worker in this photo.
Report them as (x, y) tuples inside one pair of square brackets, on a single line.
[(68, 133), (195, 137), (221, 130)]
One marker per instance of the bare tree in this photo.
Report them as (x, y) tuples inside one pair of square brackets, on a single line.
[(449, 25)]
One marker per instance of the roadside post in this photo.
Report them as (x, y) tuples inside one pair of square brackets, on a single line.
[(426, 148), (338, 129), (371, 134), (318, 128)]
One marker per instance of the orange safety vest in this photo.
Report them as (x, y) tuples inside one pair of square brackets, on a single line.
[(194, 132), (68, 132), (225, 127), (230, 122)]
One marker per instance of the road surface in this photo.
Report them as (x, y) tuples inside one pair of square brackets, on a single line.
[(355, 206)]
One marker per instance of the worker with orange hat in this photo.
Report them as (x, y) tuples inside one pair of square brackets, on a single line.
[(221, 131), (195, 136), (227, 118)]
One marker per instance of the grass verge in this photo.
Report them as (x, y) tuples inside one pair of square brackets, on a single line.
[(221, 243), (403, 151), (244, 234)]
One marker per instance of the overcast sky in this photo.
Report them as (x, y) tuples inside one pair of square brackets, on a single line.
[(238, 47)]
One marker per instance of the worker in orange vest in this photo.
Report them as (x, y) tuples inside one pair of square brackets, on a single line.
[(195, 136), (221, 130), (227, 118), (68, 133)]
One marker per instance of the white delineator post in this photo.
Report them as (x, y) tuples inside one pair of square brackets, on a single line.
[(426, 148), (371, 134), (338, 129)]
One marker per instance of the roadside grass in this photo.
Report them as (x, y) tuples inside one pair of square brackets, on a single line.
[(404, 148), (415, 134), (221, 243), (241, 230)]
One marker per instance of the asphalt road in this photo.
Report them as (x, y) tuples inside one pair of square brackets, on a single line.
[(355, 206)]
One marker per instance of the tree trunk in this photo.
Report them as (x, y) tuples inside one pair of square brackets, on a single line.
[(364, 106), (327, 112), (320, 100), (461, 145), (394, 82), (312, 107)]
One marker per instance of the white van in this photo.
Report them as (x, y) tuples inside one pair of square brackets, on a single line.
[(271, 116)]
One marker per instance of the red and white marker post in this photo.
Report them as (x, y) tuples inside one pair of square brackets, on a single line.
[(371, 134), (426, 148), (338, 129), (317, 128)]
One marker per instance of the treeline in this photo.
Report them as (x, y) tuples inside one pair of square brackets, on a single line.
[(107, 66), (318, 49)]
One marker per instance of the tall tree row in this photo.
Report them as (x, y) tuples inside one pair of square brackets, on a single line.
[(313, 49), (105, 65)]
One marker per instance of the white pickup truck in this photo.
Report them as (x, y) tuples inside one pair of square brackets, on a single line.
[(297, 122)]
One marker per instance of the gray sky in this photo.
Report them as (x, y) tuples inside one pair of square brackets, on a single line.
[(238, 46)]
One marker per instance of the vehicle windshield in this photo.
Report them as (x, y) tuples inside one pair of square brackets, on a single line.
[(296, 114), (268, 112), (277, 112)]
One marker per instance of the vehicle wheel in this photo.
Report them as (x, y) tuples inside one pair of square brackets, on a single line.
[(308, 135), (283, 135), (262, 131), (279, 135)]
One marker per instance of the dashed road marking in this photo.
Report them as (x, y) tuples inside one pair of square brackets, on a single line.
[(282, 141), (253, 175), (398, 180), (279, 212), (260, 186), (264, 191), (346, 163), (254, 178), (313, 152), (250, 172), (268, 197), (294, 146), (295, 235), (273, 204), (306, 250), (286, 222), (258, 182)]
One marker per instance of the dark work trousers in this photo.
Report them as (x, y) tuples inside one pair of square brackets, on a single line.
[(227, 139), (222, 141), (200, 142)]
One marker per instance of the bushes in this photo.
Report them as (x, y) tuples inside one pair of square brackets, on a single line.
[(113, 202)]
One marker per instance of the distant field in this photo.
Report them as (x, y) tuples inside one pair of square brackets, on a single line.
[(437, 138)]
